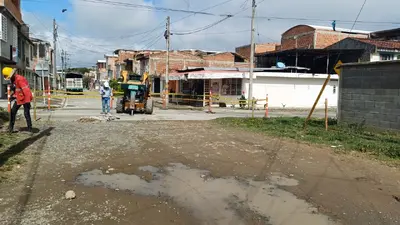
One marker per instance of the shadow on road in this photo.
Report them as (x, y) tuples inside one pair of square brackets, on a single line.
[(31, 176), (21, 146)]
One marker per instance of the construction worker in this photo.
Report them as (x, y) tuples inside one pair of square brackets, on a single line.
[(22, 94)]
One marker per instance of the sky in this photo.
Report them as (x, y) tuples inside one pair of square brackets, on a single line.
[(89, 29)]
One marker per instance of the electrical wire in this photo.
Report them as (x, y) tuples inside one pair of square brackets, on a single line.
[(193, 12), (201, 28), (149, 7)]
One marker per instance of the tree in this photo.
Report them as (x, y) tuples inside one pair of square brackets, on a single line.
[(81, 70)]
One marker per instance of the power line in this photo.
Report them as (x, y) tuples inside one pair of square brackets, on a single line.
[(202, 28), (148, 7)]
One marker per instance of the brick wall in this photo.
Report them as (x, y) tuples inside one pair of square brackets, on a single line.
[(182, 60), (308, 37), (327, 38), (303, 41), (370, 92), (259, 48)]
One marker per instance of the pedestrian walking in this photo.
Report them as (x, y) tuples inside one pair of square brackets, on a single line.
[(23, 95), (106, 94)]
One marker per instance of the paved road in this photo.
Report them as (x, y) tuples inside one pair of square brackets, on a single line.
[(77, 107)]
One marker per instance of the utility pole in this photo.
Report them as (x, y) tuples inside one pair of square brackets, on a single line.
[(62, 66), (55, 49), (167, 35), (250, 99)]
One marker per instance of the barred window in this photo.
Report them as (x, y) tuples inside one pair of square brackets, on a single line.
[(3, 30), (231, 86)]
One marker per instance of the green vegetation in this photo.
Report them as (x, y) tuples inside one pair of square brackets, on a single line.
[(4, 116), (347, 137), (115, 85), (8, 160), (6, 140), (81, 70)]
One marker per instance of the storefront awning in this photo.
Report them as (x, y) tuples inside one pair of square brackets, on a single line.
[(206, 75)]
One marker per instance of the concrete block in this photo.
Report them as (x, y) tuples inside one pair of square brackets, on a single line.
[(368, 91), (384, 124), (346, 96), (371, 116), (380, 104), (391, 105), (372, 123), (359, 105), (392, 92), (395, 126), (347, 114), (390, 117), (385, 98), (369, 105), (356, 96), (380, 91)]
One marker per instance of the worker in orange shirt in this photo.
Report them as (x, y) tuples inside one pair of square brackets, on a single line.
[(22, 94)]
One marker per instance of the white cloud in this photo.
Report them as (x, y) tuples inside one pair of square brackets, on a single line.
[(94, 29)]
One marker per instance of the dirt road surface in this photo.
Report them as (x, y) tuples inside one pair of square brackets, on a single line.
[(190, 172)]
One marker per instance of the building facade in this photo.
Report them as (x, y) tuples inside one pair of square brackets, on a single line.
[(42, 53), (15, 46), (316, 37), (370, 94), (372, 50), (111, 65), (259, 48)]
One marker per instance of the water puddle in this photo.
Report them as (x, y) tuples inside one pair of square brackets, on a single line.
[(216, 201)]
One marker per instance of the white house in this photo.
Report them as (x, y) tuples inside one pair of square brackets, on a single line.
[(284, 90)]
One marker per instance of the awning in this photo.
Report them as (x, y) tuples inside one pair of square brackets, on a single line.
[(206, 75), (212, 75)]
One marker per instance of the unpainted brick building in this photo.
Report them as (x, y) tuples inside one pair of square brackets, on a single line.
[(259, 48), (316, 37)]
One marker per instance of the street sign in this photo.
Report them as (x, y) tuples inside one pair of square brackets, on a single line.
[(336, 68)]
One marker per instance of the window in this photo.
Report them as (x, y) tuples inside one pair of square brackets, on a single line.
[(231, 87), (385, 57), (3, 23)]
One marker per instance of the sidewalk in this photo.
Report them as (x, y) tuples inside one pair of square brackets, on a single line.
[(54, 103)]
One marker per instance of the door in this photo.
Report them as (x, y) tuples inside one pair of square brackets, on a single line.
[(215, 87), (156, 85)]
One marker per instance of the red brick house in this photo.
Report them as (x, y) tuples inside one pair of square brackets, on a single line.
[(316, 37), (259, 48), (155, 64)]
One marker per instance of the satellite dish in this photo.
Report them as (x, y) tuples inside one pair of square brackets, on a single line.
[(280, 65)]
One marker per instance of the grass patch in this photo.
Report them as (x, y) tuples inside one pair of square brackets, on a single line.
[(347, 137), (8, 161)]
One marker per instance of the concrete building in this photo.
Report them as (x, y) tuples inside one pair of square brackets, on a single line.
[(101, 69), (259, 48), (284, 89), (15, 47), (316, 37), (42, 53), (370, 94), (111, 66), (155, 64), (372, 49), (386, 35)]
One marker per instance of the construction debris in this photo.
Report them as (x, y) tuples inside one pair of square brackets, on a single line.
[(94, 119)]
